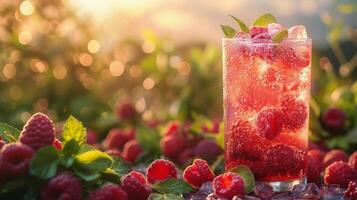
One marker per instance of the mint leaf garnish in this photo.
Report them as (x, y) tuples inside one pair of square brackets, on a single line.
[(8, 133), (264, 20), (278, 37), (173, 186), (241, 24), (86, 175), (228, 31), (45, 162), (154, 196), (93, 161), (74, 129), (120, 166), (247, 176)]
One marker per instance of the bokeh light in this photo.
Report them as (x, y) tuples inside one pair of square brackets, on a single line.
[(26, 8)]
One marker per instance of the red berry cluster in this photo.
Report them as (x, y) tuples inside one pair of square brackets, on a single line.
[(338, 168), (15, 157)]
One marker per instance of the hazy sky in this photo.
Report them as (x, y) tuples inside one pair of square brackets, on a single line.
[(198, 20)]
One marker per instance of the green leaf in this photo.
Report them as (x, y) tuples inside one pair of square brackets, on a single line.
[(154, 196), (172, 186), (45, 162), (71, 147), (264, 20), (86, 147), (120, 166), (74, 129), (148, 138), (228, 31), (110, 175), (278, 37), (86, 175), (247, 176), (242, 25), (93, 161), (12, 185), (9, 133)]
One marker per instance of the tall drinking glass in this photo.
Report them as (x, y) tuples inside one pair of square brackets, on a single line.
[(266, 108)]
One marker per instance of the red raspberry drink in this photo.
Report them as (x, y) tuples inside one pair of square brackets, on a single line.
[(266, 104)]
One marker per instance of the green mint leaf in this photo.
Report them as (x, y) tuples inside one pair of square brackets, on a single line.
[(120, 166), (228, 31), (86, 175), (74, 129), (93, 161), (110, 175), (278, 37), (247, 176), (45, 162), (70, 148), (243, 27), (154, 196), (172, 186), (85, 147), (12, 185), (264, 20), (9, 133), (148, 138)]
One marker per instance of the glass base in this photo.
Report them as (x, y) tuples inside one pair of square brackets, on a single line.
[(284, 186)]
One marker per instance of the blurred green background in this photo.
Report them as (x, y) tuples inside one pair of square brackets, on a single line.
[(83, 57)]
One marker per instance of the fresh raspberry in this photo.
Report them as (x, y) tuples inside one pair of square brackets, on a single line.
[(115, 139), (172, 128), (208, 149), (92, 137), (38, 132), (62, 186), (198, 173), (258, 32), (269, 123), (333, 156), (257, 166), (314, 169), (132, 150), (282, 158), (351, 192), (135, 186), (161, 170), (317, 154), (185, 156), (352, 162), (108, 191), (15, 159), (172, 145), (339, 173), (290, 59), (228, 185), (57, 144), (333, 119), (295, 112), (126, 111), (244, 141)]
